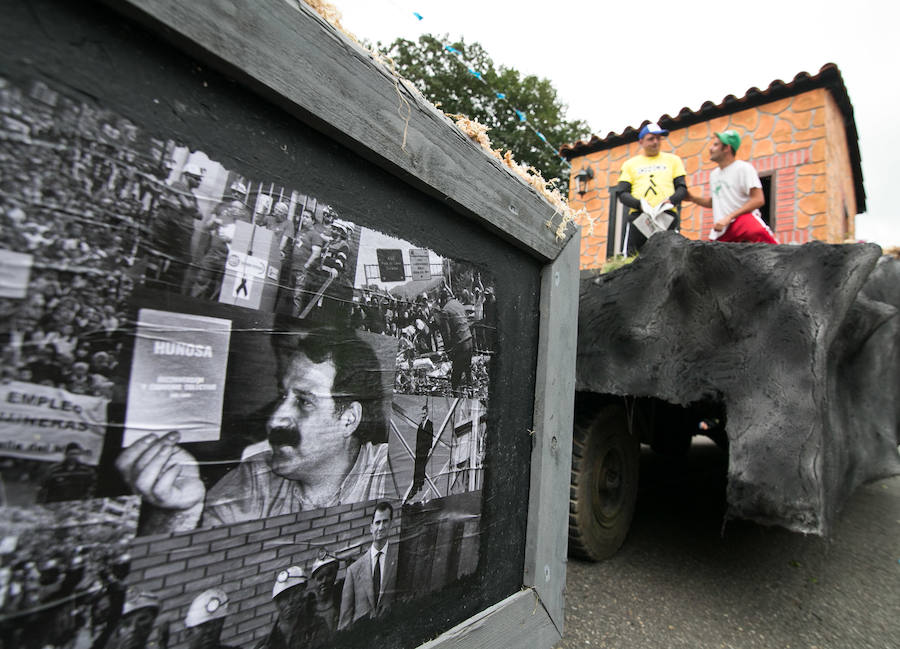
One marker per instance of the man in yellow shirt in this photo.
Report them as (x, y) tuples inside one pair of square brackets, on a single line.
[(649, 183)]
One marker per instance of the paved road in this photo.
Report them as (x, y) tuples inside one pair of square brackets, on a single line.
[(681, 581)]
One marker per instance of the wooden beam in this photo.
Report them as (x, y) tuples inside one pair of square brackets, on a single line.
[(551, 459), (518, 621), (289, 54)]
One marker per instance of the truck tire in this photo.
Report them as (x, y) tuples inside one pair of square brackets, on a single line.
[(604, 482)]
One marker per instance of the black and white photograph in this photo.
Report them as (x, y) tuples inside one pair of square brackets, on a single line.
[(297, 582), (442, 439), (443, 313), (321, 439), (63, 572), (220, 236), (50, 443), (292, 403)]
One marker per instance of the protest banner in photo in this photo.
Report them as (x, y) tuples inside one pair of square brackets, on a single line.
[(15, 268), (38, 422)]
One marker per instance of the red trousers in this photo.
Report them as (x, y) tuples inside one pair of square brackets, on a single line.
[(748, 228)]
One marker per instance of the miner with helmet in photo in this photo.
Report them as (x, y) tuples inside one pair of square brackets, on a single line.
[(328, 596), (205, 619), (132, 629), (297, 624), (279, 224)]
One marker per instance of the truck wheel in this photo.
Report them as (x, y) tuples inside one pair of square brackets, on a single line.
[(604, 483)]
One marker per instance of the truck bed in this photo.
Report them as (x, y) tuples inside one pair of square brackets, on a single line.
[(800, 345)]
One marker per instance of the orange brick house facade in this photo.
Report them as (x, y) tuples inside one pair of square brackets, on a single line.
[(800, 137)]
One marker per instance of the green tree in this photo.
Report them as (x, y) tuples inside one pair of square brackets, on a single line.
[(447, 82)]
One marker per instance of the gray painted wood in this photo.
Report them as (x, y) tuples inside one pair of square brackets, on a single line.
[(547, 533), (296, 59), (518, 621)]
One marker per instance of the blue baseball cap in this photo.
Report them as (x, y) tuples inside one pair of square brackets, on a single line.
[(651, 129)]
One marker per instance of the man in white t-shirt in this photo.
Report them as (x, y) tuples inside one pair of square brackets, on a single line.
[(736, 195)]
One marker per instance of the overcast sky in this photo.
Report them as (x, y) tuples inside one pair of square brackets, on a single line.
[(617, 64)]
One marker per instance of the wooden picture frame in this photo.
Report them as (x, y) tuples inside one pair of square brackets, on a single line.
[(274, 52), (281, 48)]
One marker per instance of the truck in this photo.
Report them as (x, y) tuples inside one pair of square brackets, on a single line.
[(786, 356)]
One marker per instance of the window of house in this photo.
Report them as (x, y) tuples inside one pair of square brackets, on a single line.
[(768, 210)]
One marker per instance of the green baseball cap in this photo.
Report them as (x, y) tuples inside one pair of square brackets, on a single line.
[(730, 138)]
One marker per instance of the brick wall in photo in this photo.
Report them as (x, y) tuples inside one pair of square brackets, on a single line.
[(243, 559)]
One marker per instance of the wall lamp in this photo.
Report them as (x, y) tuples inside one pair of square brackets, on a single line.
[(581, 180)]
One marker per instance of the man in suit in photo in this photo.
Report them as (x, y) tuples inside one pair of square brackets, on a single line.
[(369, 586)]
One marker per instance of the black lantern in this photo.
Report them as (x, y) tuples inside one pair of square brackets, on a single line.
[(581, 180)]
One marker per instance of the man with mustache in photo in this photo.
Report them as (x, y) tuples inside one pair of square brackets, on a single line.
[(326, 445)]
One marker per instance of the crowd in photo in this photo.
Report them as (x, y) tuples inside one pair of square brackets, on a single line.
[(101, 209), (63, 572), (74, 197), (66, 333), (446, 335)]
